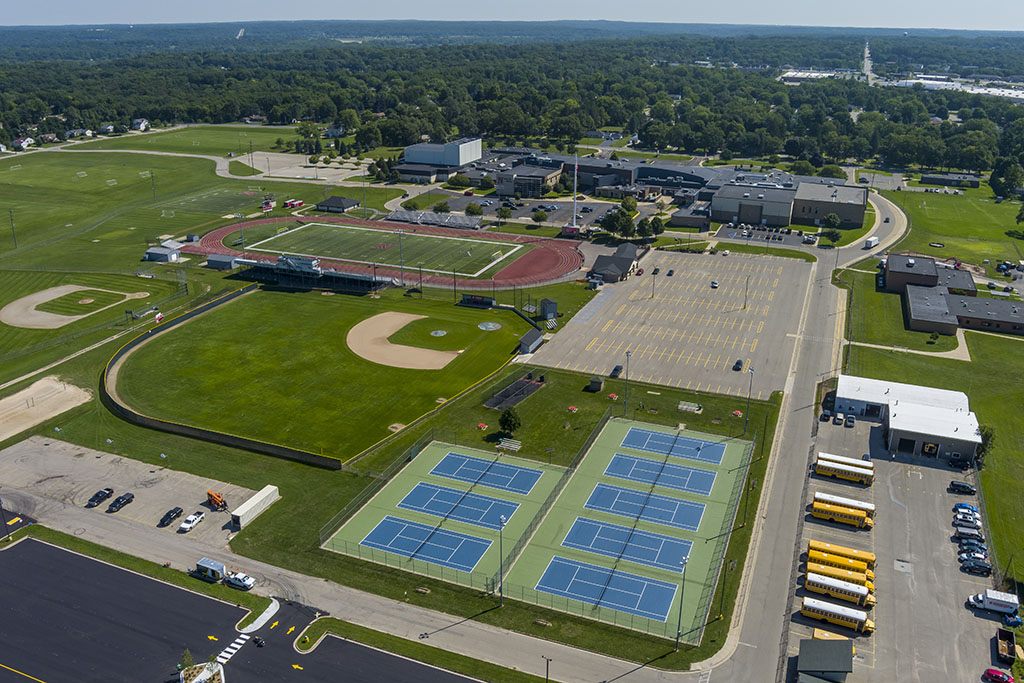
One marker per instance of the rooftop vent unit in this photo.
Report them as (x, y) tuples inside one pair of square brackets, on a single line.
[(910, 263), (760, 196), (746, 195)]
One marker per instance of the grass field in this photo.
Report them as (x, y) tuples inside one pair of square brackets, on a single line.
[(667, 156), (296, 382), (526, 229), (851, 235), (971, 226), (375, 196), (210, 140), (876, 317), (240, 168), (422, 202), (996, 399), (434, 253), (76, 303), (770, 251)]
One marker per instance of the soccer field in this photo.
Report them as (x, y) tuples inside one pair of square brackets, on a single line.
[(468, 257)]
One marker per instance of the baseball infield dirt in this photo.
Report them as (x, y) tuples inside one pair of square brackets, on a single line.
[(22, 312), (369, 340), (36, 404)]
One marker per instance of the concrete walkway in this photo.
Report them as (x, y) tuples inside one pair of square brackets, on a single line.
[(961, 352)]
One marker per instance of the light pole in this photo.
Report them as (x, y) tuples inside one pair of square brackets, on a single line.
[(401, 257), (682, 589), (501, 565), (653, 275), (240, 217), (547, 667), (625, 404), (750, 388)]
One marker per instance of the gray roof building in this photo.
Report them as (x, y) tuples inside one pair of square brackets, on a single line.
[(838, 193), (337, 204), (899, 263), (829, 660), (928, 304)]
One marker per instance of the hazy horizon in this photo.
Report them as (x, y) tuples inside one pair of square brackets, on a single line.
[(1001, 15)]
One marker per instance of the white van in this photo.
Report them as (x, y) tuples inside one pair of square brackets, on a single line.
[(968, 532)]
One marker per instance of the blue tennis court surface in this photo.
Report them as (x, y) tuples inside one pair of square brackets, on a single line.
[(459, 505), (670, 444), (437, 546), (618, 590), (612, 540), (648, 471), (681, 514), (500, 475)]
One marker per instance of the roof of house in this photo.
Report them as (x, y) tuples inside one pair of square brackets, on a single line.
[(222, 258), (996, 310), (340, 202), (172, 244), (950, 176), (936, 421), (929, 304), (917, 265), (611, 265), (883, 391), (838, 193), (529, 170), (834, 656)]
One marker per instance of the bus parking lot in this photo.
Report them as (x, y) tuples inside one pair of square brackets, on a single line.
[(923, 631)]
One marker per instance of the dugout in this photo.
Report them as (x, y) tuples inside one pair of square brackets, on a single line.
[(531, 341)]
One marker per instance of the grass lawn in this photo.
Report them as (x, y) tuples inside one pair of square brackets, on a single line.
[(667, 156), (592, 141), (996, 399), (302, 386), (376, 197), (526, 229), (211, 140), (971, 226), (469, 256), (411, 649), (239, 168), (621, 142), (876, 317), (851, 235), (424, 201), (770, 251), (686, 246)]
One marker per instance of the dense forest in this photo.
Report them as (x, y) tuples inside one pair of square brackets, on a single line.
[(398, 95), (993, 55)]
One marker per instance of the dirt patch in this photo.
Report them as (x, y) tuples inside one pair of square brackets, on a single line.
[(85, 301), (37, 403), (396, 427), (369, 340)]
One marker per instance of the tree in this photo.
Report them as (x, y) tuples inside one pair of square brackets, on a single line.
[(459, 180), (933, 337), (643, 228), (832, 171), (539, 216), (486, 183), (509, 422), (832, 235), (504, 213), (988, 438), (831, 221), (1020, 215), (474, 209), (801, 167), (657, 226), (629, 204), (442, 207)]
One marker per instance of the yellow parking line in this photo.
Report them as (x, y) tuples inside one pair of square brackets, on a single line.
[(776, 283), (607, 325), (760, 326), (592, 342), (753, 345), (771, 295)]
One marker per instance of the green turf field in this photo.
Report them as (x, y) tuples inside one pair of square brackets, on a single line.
[(705, 556), (469, 257), (77, 303), (210, 140), (385, 502), (274, 366)]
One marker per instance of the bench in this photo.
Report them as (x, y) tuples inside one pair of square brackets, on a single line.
[(510, 445)]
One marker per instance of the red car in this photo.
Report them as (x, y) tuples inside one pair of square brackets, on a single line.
[(468, 193), (639, 271), (997, 676)]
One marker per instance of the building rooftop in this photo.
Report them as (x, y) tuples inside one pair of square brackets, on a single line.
[(525, 170), (996, 310), (929, 304), (917, 265), (341, 202), (756, 193), (952, 278), (947, 423), (832, 656), (882, 391), (951, 176), (841, 194)]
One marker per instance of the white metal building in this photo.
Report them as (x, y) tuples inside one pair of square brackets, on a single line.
[(865, 397), (456, 153)]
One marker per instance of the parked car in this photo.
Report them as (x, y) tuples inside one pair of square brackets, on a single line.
[(671, 272), (837, 419), (962, 487), (170, 516), (240, 580), (964, 506), (191, 521), (639, 271), (826, 415), (970, 555), (738, 365), (969, 521), (714, 284), (121, 501), (977, 567), (850, 420), (616, 371), (971, 545), (99, 497), (656, 270), (996, 676)]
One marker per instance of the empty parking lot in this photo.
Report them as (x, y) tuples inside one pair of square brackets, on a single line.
[(681, 332)]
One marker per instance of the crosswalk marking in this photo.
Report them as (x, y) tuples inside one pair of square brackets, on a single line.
[(229, 652)]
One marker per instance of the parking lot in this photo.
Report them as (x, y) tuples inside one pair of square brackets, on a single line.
[(771, 237), (682, 332), (923, 631), (72, 474)]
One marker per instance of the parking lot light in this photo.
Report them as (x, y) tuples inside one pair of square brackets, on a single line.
[(750, 388)]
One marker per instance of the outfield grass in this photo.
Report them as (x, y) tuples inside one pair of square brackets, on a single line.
[(971, 226), (526, 229), (876, 317), (469, 256), (996, 398), (302, 386), (211, 140), (424, 201), (769, 251)]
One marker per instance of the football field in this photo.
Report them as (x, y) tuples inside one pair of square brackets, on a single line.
[(466, 256)]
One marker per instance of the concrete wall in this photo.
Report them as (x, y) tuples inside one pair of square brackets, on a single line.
[(729, 209), (810, 212), (946, 446)]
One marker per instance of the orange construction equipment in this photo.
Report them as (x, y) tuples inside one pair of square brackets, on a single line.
[(216, 500)]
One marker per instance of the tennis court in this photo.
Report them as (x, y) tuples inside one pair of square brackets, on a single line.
[(647, 471), (495, 475), (681, 514), (439, 546), (608, 588), (633, 545), (467, 507), (674, 444)]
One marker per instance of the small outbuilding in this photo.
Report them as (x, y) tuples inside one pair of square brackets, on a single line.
[(824, 660), (531, 341), (162, 254), (548, 309), (222, 261), (337, 204)]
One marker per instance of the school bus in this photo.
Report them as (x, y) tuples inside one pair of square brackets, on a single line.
[(837, 588), (842, 551), (841, 562), (837, 614), (852, 462), (836, 513), (868, 508), (841, 574), (827, 468)]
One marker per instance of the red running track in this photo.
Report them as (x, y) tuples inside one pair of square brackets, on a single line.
[(549, 260)]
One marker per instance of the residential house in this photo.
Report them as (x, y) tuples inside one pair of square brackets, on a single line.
[(140, 124), (23, 143), (107, 129)]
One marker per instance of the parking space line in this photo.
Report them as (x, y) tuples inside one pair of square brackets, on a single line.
[(753, 345)]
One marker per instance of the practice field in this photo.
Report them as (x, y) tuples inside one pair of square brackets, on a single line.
[(217, 200), (613, 545), (442, 513), (209, 140), (274, 366), (467, 257)]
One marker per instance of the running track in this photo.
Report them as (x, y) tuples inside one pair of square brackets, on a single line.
[(549, 260)]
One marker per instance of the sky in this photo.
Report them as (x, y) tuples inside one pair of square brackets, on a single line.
[(998, 14)]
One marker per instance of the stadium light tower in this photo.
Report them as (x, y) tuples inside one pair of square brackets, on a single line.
[(501, 565), (750, 388), (682, 587), (401, 257)]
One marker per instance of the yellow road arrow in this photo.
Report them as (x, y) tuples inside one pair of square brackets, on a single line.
[(212, 637), (296, 666), (274, 624), (290, 630)]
